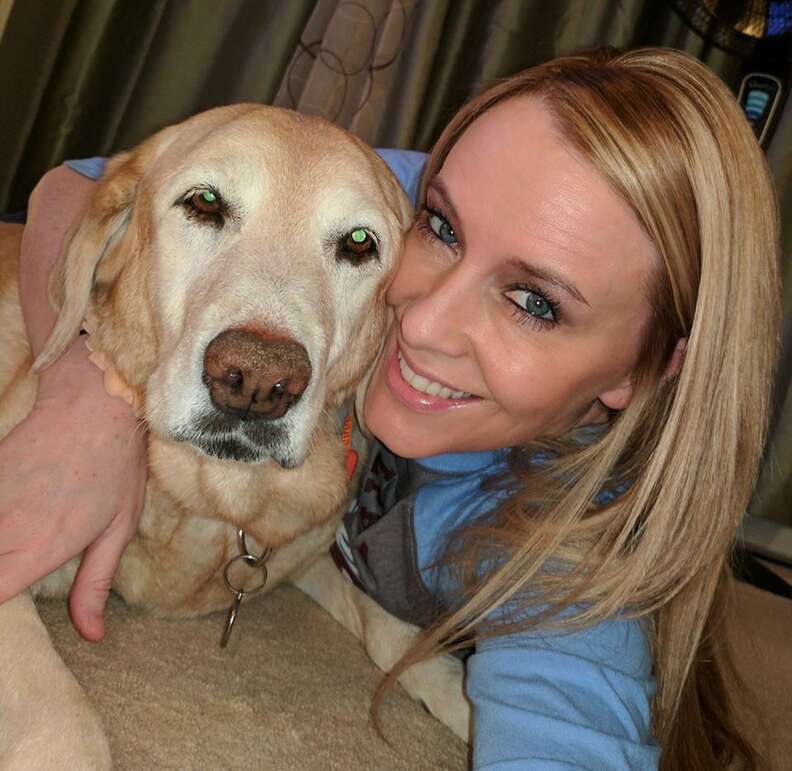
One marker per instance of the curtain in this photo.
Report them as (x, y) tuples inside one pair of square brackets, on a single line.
[(87, 77), (91, 77), (5, 10)]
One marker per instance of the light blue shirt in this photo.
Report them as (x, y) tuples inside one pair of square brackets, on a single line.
[(541, 700)]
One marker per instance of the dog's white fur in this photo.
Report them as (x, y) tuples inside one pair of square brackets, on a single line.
[(159, 286)]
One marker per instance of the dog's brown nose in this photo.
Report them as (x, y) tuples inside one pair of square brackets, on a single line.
[(253, 377)]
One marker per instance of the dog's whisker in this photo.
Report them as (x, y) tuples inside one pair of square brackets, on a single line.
[(141, 426)]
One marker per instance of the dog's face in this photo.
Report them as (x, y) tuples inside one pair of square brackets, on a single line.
[(245, 256)]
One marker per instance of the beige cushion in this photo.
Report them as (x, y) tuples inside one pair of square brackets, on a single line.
[(293, 688), (291, 691)]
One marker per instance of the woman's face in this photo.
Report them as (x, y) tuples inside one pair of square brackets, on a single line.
[(521, 300)]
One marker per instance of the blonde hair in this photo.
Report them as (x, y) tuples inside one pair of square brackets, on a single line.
[(672, 141)]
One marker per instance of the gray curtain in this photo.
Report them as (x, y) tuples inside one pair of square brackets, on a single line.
[(84, 77), (88, 77)]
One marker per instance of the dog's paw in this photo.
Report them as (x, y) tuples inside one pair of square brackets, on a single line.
[(46, 719), (54, 742), (438, 683)]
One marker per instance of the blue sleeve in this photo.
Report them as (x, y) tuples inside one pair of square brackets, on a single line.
[(552, 701), (407, 166), (88, 167)]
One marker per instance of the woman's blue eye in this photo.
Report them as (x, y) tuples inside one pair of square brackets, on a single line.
[(441, 228), (534, 303)]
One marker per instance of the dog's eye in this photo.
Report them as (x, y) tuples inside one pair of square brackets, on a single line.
[(205, 204), (357, 245), (206, 201)]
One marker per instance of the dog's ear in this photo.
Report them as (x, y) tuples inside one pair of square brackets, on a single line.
[(360, 398), (101, 227), (400, 205), (404, 208)]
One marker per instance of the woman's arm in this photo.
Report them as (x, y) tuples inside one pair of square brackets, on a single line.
[(74, 470), (563, 701)]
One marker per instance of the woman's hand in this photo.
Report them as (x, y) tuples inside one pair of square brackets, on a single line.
[(74, 470), (73, 481)]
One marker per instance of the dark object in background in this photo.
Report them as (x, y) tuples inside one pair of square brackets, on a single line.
[(749, 569), (760, 33), (20, 217)]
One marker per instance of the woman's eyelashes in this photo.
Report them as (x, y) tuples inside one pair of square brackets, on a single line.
[(530, 305), (434, 226)]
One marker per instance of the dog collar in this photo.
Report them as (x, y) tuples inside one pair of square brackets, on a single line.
[(352, 456), (259, 562)]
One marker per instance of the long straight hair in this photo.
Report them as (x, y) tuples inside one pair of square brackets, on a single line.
[(671, 140)]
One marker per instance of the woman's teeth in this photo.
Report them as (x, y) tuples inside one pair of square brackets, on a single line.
[(420, 383)]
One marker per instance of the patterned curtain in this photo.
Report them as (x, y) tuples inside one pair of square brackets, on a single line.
[(86, 77)]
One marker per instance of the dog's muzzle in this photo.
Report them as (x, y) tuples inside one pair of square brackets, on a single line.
[(253, 379)]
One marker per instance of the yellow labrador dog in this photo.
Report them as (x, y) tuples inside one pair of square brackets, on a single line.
[(231, 273)]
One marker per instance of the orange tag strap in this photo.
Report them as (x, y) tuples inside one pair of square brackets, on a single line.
[(351, 459)]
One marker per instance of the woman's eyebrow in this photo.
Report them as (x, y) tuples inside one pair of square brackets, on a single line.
[(437, 188), (547, 276)]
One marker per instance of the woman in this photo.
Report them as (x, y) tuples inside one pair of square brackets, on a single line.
[(584, 336)]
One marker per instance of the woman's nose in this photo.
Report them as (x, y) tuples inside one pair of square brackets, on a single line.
[(434, 308)]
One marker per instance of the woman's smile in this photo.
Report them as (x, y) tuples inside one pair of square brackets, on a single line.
[(421, 392)]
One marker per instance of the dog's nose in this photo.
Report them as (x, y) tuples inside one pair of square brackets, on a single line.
[(254, 377)]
